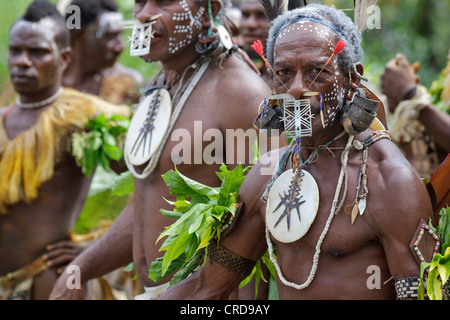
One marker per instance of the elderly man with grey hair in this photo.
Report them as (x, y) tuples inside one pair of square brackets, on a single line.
[(337, 207)]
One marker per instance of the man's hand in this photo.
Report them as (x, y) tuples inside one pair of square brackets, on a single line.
[(66, 288), (61, 253), (397, 79)]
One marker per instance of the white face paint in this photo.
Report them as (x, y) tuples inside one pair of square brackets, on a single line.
[(333, 98), (109, 21), (45, 26), (187, 23)]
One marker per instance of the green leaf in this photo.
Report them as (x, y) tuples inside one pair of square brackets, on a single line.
[(186, 220), (443, 228), (156, 268), (421, 290), (175, 249), (444, 266), (112, 152), (208, 235), (123, 185), (188, 267), (174, 215), (200, 218), (183, 186)]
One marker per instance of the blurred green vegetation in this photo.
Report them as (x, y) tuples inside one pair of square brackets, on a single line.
[(417, 28)]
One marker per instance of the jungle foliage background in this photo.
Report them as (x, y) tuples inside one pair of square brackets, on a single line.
[(419, 29)]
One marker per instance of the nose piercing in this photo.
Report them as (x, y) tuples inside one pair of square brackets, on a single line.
[(141, 36)]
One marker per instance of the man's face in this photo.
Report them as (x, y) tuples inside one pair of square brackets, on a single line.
[(301, 51), (104, 39), (178, 26), (254, 24), (33, 56)]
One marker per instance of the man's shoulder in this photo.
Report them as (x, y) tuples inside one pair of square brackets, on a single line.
[(394, 179), (119, 70), (95, 103), (241, 72)]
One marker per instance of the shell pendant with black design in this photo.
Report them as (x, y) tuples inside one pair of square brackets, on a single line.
[(292, 205), (148, 126)]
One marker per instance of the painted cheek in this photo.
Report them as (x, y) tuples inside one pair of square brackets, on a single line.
[(186, 22), (333, 99)]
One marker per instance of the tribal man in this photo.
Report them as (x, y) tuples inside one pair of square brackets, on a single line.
[(343, 204), (42, 188), (205, 90), (96, 46)]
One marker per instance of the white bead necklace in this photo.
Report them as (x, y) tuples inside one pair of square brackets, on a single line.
[(38, 104)]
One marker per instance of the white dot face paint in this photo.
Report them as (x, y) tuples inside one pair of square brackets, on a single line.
[(186, 23), (310, 43)]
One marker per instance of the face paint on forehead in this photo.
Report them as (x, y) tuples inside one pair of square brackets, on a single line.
[(188, 23), (308, 26), (45, 27), (109, 21), (315, 27)]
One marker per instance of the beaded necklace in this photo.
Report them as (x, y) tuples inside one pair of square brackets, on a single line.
[(38, 104), (337, 205)]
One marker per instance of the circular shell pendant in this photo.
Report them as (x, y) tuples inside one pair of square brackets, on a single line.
[(292, 205), (148, 126)]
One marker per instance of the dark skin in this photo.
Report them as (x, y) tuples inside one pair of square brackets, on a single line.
[(94, 58), (398, 77), (39, 228), (254, 26), (133, 235), (374, 238)]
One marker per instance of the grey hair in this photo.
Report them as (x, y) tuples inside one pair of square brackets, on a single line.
[(336, 19)]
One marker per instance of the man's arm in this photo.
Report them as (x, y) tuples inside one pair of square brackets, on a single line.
[(398, 83), (396, 215), (247, 239), (110, 252), (437, 123)]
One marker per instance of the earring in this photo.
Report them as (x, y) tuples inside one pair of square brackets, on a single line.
[(215, 42), (358, 112), (270, 117)]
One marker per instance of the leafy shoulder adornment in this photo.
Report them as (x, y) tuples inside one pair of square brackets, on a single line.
[(200, 212), (101, 143)]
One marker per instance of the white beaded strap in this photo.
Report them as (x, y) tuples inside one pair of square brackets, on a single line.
[(333, 210)]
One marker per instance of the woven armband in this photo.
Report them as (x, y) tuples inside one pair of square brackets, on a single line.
[(407, 288), (230, 260)]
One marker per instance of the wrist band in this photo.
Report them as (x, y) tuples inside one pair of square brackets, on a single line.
[(230, 260), (409, 94)]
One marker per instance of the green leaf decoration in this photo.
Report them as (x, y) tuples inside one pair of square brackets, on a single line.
[(199, 213), (123, 184), (438, 270), (100, 144)]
